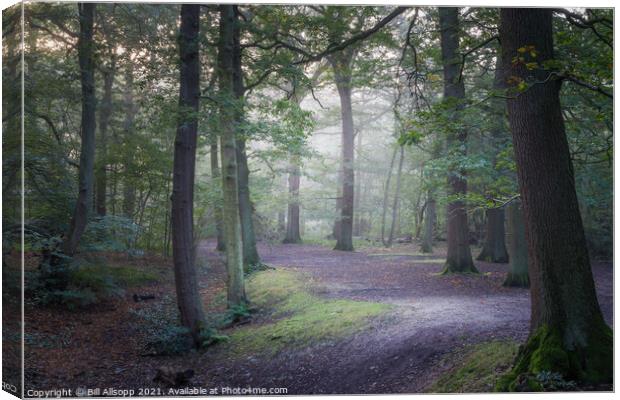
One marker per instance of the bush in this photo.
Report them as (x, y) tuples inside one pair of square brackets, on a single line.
[(109, 233), (78, 284)]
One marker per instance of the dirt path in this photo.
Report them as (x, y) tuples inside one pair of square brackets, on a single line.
[(400, 352), (434, 315)]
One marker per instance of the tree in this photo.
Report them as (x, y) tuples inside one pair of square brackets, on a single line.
[(216, 175), (429, 223), (518, 275), (341, 66), (87, 151), (567, 331), (292, 221), (459, 255), (228, 153), (494, 248), (246, 208), (105, 113), (188, 296)]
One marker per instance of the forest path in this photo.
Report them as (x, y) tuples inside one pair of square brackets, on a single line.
[(402, 353)]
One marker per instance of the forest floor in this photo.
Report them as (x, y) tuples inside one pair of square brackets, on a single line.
[(371, 321)]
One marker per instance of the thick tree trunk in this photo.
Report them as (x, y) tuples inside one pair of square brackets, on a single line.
[(184, 166), (292, 224), (87, 151), (217, 212), (228, 153), (459, 258), (105, 111), (341, 65), (518, 275), (568, 333), (429, 224), (395, 205), (494, 248)]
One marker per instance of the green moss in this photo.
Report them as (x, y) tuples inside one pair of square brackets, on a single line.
[(297, 317), (478, 371), (549, 354), (545, 352)]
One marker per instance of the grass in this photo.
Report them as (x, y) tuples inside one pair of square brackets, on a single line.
[(479, 370), (297, 317)]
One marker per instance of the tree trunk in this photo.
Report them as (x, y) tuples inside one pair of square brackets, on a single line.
[(281, 222), (87, 151), (129, 190), (341, 65), (568, 334), (246, 208), (517, 276), (494, 248), (459, 258), (395, 207), (337, 221), (386, 195), (217, 212), (358, 190), (228, 153), (292, 224), (184, 166), (105, 111), (429, 224)]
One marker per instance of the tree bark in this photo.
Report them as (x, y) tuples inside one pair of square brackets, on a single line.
[(518, 275), (292, 221), (567, 333), (494, 248), (341, 65), (184, 166), (228, 153), (459, 258), (87, 151), (217, 212)]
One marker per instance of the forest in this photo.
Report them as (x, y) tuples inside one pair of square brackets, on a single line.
[(222, 199)]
